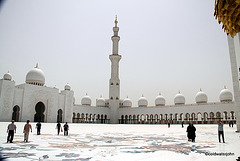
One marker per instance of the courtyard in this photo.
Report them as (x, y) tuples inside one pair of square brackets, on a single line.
[(113, 142)]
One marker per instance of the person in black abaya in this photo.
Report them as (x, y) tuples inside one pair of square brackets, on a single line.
[(191, 132)]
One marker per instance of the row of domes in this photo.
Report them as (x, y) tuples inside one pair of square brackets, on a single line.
[(201, 97), (36, 77)]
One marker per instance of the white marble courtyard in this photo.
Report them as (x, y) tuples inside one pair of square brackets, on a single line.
[(107, 142)]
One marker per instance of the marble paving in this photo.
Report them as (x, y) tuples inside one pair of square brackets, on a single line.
[(120, 142)]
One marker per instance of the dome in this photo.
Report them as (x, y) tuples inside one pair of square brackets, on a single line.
[(35, 76), (142, 102), (201, 97), (127, 102), (86, 100), (179, 99), (160, 100), (100, 102), (67, 87), (225, 95), (7, 76)]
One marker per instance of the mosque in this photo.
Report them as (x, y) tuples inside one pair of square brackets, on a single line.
[(34, 101)]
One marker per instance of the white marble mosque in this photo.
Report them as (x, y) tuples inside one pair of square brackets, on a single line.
[(34, 101)]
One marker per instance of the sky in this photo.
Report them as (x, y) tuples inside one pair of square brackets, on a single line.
[(166, 46)]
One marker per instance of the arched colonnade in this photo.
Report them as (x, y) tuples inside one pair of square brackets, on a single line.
[(178, 118)]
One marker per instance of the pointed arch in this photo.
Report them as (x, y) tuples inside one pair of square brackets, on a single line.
[(122, 119), (101, 118), (218, 116), (78, 117), (205, 117), (130, 119), (193, 116), (15, 113), (39, 115), (187, 117), (232, 115), (74, 117), (60, 115)]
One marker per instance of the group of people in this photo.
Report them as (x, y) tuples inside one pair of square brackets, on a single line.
[(230, 123), (11, 129), (191, 132), (65, 127)]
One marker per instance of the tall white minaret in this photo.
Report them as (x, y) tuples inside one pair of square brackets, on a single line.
[(114, 82)]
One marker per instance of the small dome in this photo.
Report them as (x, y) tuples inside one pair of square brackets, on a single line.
[(67, 87), (179, 99), (142, 102), (35, 76), (100, 102), (7, 76), (127, 102), (86, 100), (201, 97), (225, 95), (160, 100)]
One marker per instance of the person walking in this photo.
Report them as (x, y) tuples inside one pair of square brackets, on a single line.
[(66, 128), (191, 132), (11, 130), (182, 124), (26, 130), (168, 124), (38, 126), (58, 127), (220, 131)]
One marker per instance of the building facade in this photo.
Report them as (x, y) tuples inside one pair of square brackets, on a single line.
[(36, 102)]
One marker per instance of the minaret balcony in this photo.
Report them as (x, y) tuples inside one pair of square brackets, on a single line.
[(115, 38)]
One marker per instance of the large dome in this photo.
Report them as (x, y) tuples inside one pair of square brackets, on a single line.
[(127, 102), (225, 95), (142, 102), (7, 76), (100, 102), (160, 100), (86, 100), (35, 76), (179, 99), (201, 97)]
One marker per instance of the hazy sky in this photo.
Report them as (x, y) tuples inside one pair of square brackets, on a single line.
[(166, 46)]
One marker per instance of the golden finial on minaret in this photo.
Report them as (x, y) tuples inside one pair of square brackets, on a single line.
[(159, 93), (86, 94), (142, 95), (36, 65), (179, 91), (127, 96), (100, 96), (116, 19), (225, 87), (200, 89)]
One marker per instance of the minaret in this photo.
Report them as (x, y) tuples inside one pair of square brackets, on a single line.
[(114, 82)]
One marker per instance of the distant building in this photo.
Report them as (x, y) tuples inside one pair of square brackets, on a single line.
[(34, 101)]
